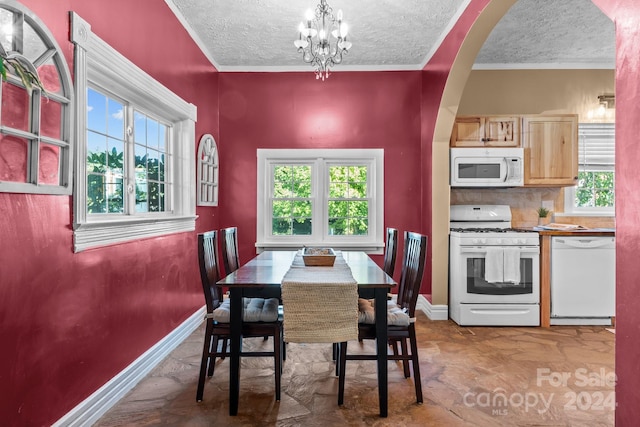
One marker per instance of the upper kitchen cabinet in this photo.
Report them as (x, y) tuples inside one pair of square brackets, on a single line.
[(486, 131), (550, 145)]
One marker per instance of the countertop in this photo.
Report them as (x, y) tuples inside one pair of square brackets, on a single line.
[(581, 232), (578, 232)]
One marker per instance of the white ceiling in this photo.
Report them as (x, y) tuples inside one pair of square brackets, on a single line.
[(258, 35)]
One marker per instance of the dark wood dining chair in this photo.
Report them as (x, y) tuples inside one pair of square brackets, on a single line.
[(261, 318), (230, 258), (229, 245), (400, 317), (389, 264), (390, 250)]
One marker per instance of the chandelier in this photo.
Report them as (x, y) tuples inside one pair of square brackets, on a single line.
[(323, 40)]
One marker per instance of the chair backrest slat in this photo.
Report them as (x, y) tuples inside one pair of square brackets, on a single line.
[(413, 261), (390, 251), (209, 273), (230, 249)]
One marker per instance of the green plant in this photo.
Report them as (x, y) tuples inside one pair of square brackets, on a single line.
[(22, 67), (542, 212)]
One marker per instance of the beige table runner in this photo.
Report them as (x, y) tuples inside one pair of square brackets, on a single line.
[(320, 303)]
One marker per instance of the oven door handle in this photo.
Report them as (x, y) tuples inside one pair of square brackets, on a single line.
[(483, 250)]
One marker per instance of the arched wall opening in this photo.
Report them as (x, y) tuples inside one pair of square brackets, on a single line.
[(626, 16)]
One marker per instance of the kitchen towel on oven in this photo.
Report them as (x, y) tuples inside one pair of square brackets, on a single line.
[(494, 265), (511, 265)]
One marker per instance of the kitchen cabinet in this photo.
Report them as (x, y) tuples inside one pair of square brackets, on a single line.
[(486, 131), (550, 145)]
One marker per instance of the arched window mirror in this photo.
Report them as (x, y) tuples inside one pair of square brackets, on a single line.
[(207, 171), (35, 125)]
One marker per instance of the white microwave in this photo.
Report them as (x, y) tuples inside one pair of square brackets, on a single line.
[(487, 167)]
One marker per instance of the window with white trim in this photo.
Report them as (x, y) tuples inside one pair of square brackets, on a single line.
[(135, 160), (35, 125), (595, 192), (316, 197)]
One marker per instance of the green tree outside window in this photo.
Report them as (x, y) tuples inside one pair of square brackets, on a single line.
[(595, 189), (291, 206), (348, 204)]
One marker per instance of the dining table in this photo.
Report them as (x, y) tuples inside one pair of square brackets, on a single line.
[(262, 277)]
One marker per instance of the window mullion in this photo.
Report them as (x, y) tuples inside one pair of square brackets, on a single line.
[(320, 196), (34, 145), (171, 167), (129, 170), (371, 190), (18, 32)]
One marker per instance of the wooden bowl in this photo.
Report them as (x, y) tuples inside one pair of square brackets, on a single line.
[(318, 257)]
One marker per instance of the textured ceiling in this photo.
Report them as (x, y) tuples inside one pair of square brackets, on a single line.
[(253, 35)]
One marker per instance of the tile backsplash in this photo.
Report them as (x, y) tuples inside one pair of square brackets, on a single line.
[(524, 202)]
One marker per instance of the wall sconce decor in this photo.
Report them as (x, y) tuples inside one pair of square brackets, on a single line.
[(207, 171)]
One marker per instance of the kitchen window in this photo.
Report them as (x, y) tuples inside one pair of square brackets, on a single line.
[(595, 192), (320, 197), (135, 166)]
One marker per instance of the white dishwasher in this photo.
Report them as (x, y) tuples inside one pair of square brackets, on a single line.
[(583, 280)]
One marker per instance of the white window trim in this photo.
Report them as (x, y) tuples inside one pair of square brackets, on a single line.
[(373, 242), (570, 193), (98, 62)]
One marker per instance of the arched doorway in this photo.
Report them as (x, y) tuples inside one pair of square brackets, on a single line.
[(626, 15)]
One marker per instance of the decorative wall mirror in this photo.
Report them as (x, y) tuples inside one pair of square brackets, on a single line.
[(207, 171), (35, 115)]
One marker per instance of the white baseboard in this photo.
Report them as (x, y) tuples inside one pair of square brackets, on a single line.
[(93, 407), (433, 312)]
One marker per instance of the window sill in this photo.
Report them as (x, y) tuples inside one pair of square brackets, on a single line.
[(596, 214), (95, 234), (370, 248)]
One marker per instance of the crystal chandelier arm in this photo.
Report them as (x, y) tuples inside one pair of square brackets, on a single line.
[(322, 39)]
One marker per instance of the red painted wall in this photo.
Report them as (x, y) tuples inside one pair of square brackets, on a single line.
[(626, 16), (294, 110), (70, 322), (434, 79)]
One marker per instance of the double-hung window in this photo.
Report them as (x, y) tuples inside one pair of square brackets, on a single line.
[(135, 168), (320, 197), (128, 158), (595, 192)]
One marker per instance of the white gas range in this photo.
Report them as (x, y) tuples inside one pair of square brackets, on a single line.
[(494, 277)]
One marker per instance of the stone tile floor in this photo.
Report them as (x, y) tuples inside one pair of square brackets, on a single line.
[(471, 376)]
